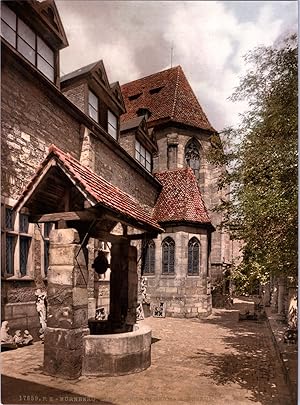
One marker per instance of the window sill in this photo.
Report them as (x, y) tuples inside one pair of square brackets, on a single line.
[(193, 275), (15, 278), (168, 275)]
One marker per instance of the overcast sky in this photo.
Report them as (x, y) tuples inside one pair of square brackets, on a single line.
[(134, 39)]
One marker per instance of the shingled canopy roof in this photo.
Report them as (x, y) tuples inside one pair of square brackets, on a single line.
[(167, 95), (180, 199), (95, 189)]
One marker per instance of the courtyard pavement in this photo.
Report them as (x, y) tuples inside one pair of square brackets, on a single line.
[(218, 360)]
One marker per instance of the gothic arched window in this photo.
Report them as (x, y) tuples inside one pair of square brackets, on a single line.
[(148, 263), (192, 156), (193, 256), (168, 255)]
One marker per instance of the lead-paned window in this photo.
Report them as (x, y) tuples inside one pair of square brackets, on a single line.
[(9, 218), (27, 42), (16, 242), (148, 264), (93, 105), (193, 256), (24, 224), (24, 254), (168, 256), (9, 254), (143, 155)]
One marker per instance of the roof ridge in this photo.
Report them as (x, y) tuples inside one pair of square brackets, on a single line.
[(152, 74), (176, 92)]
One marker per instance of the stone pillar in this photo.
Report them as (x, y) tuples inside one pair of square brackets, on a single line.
[(281, 295), (132, 286), (274, 295), (67, 317), (119, 284), (266, 294)]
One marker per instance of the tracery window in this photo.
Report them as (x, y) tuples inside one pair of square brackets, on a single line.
[(192, 156), (193, 256), (168, 255), (148, 264)]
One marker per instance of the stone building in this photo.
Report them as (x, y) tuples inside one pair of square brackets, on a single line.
[(166, 105), (148, 139)]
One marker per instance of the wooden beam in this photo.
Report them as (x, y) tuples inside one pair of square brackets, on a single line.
[(84, 215), (145, 235)]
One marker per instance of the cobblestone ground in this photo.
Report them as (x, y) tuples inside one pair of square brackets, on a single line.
[(217, 361)]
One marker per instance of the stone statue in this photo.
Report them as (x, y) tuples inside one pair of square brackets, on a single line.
[(27, 338), (144, 290), (41, 306), (18, 339), (139, 312), (5, 336)]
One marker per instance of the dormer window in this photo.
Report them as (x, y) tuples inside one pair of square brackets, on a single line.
[(156, 90), (143, 156), (134, 96), (93, 106), (27, 42), (143, 112), (112, 124)]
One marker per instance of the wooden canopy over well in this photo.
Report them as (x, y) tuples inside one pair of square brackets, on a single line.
[(64, 191)]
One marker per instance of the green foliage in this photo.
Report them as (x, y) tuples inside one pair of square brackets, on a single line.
[(261, 160)]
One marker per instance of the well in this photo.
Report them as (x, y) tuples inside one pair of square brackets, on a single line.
[(118, 353)]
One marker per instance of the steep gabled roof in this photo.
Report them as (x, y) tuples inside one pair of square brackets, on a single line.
[(50, 16), (95, 70), (96, 189), (168, 96), (180, 199)]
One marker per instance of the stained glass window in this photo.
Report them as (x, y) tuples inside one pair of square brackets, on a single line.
[(168, 255), (148, 266), (193, 256)]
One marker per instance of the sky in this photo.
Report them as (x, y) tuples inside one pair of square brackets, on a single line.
[(209, 39)]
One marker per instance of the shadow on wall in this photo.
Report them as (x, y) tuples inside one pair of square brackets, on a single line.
[(16, 391)]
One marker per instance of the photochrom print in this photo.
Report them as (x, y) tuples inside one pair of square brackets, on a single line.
[(149, 202)]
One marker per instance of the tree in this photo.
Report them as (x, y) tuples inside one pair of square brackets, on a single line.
[(262, 166)]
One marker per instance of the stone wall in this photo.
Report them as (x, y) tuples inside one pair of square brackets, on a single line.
[(185, 295), (32, 119), (30, 123), (76, 94), (208, 182)]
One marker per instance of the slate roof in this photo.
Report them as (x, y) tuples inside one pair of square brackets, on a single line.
[(130, 124), (99, 190), (168, 96), (180, 199), (78, 72)]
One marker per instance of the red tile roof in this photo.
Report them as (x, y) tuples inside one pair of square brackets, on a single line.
[(168, 96), (98, 189), (180, 198)]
